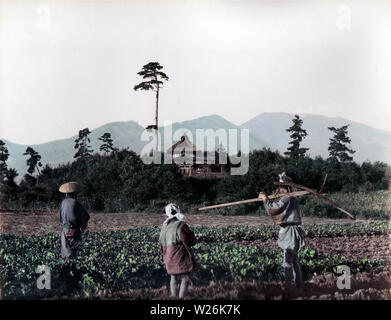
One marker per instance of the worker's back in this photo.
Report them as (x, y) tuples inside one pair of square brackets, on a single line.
[(292, 211), (72, 214), (170, 233), (176, 240)]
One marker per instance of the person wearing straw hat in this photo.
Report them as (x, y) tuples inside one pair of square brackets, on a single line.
[(73, 218), (176, 240), (291, 235)]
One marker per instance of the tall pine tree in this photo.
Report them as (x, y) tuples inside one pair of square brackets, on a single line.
[(82, 144), (34, 162), (3, 160), (338, 150), (107, 143), (153, 77), (297, 135), (8, 187)]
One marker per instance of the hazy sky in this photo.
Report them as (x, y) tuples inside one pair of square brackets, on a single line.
[(67, 65)]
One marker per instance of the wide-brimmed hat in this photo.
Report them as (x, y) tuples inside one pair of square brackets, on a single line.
[(69, 187)]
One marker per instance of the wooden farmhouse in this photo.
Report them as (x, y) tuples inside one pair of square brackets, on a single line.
[(186, 155)]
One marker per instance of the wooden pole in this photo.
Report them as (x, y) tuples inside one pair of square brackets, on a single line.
[(320, 196), (324, 181), (274, 196)]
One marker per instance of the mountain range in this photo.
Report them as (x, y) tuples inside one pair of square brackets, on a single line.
[(369, 143), (266, 130)]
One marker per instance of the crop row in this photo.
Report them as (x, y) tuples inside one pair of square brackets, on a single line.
[(240, 233), (123, 260), (249, 233)]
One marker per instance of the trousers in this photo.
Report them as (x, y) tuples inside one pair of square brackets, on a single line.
[(69, 246), (292, 269), (183, 281)]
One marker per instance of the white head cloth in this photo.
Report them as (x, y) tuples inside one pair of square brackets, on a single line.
[(172, 211)]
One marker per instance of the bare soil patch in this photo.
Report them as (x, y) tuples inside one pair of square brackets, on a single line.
[(41, 223)]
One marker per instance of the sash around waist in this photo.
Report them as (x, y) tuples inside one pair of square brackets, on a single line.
[(66, 226), (289, 224)]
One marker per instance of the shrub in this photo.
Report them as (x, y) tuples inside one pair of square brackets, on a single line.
[(121, 181)]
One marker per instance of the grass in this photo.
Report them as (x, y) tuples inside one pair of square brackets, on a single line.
[(367, 205)]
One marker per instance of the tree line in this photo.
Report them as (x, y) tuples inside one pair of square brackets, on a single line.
[(338, 149), (118, 180)]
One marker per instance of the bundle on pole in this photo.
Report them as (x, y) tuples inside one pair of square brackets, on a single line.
[(320, 196)]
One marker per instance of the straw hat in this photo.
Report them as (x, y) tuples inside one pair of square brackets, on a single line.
[(70, 187)]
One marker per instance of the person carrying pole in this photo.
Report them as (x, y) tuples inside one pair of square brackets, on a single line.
[(176, 240), (73, 220), (291, 235)]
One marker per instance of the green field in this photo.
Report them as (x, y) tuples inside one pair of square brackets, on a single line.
[(121, 260)]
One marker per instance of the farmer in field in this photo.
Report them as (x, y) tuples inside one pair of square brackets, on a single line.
[(73, 218), (291, 235), (176, 240)]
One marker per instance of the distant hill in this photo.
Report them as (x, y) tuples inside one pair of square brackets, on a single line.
[(124, 135), (370, 143), (214, 122), (266, 130)]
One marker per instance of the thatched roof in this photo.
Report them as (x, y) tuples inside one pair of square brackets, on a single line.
[(184, 144)]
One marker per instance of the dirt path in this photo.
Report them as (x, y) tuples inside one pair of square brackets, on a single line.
[(372, 285), (39, 223)]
